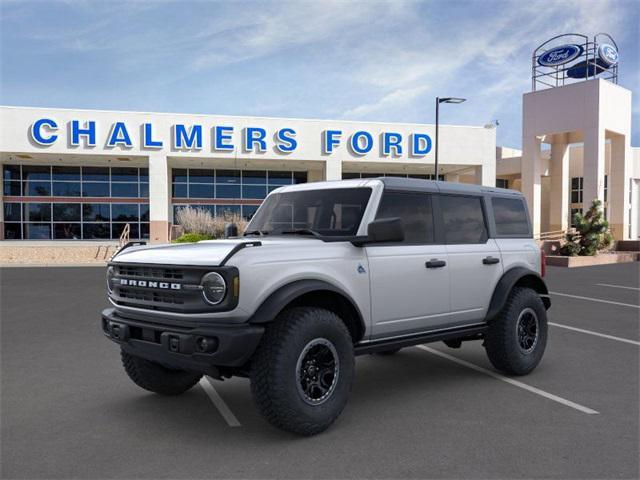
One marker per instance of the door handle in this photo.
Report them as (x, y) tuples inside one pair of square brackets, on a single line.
[(435, 263), (490, 260)]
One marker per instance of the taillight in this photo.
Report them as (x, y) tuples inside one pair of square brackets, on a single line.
[(543, 263)]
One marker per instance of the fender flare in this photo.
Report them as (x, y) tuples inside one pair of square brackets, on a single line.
[(283, 296), (506, 283)]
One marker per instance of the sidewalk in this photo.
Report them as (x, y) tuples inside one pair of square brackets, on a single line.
[(52, 253)]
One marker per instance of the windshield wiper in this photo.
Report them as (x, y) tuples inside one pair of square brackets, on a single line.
[(302, 231), (255, 232)]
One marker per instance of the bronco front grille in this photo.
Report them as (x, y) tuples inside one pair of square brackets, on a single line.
[(149, 272), (150, 296), (168, 288), (162, 288)]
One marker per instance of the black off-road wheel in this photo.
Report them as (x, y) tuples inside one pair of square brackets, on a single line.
[(157, 378), (302, 371), (517, 337)]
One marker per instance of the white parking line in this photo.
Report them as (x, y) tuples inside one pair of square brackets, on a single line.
[(227, 414), (511, 381), (617, 286), (590, 332), (595, 300)]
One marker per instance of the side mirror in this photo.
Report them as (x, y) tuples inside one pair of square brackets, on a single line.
[(383, 230)]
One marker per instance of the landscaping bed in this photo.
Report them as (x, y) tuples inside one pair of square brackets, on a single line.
[(588, 261)]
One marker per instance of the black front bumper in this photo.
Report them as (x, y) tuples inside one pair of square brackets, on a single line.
[(199, 348)]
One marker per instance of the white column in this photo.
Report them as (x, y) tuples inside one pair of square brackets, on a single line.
[(486, 174), (333, 169), (159, 198), (559, 204), (531, 172), (593, 166), (618, 188)]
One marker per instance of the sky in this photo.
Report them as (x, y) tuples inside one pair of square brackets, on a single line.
[(351, 60)]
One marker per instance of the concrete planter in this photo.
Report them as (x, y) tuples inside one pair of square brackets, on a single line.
[(601, 259)]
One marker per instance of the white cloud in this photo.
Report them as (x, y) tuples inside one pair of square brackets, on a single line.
[(488, 55)]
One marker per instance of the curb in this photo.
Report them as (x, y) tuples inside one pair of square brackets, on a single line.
[(52, 265)]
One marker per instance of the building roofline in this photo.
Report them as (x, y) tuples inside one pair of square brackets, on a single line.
[(18, 107)]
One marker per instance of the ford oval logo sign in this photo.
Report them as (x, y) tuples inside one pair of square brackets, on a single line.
[(608, 54), (560, 55)]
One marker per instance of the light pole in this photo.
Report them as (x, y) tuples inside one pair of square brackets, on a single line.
[(438, 102)]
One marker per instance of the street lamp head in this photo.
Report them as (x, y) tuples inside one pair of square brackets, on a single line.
[(451, 100)]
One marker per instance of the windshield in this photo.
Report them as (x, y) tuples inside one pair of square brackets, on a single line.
[(324, 212)]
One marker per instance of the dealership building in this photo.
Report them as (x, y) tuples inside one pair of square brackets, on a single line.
[(86, 174)]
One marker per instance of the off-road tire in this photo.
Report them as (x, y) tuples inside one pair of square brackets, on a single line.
[(387, 353), (502, 341), (274, 370), (157, 378)]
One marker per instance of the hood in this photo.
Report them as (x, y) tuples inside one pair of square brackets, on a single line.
[(206, 253)]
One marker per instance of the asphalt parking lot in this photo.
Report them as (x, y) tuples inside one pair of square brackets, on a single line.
[(69, 411)]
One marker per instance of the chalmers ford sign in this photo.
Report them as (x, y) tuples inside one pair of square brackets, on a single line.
[(222, 138)]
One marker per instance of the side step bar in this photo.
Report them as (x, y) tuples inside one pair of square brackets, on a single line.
[(471, 332)]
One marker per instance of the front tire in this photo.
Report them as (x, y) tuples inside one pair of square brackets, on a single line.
[(157, 378), (302, 371), (517, 337)]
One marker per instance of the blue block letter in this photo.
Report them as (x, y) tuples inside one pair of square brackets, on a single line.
[(355, 142), (421, 144), (330, 140), (222, 136), (89, 131), (392, 140), (36, 131), (147, 138), (253, 136), (286, 140), (119, 136), (184, 139)]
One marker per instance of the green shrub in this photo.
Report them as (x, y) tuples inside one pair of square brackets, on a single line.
[(192, 238), (591, 235)]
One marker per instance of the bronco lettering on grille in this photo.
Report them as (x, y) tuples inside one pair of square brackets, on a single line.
[(149, 284)]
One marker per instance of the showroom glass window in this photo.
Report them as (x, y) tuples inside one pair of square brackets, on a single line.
[(245, 188), (77, 202)]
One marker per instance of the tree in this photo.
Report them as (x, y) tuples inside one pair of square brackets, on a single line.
[(591, 235)]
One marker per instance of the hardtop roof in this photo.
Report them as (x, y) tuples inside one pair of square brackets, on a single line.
[(400, 183), (416, 184)]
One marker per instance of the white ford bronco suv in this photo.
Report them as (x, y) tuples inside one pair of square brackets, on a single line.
[(324, 272)]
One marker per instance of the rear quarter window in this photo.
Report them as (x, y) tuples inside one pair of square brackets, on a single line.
[(463, 219), (510, 216)]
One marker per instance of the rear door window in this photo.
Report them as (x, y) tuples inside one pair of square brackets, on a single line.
[(414, 209), (463, 219), (511, 217)]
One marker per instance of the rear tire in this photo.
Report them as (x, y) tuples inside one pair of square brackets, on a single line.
[(157, 378), (302, 371), (517, 337)]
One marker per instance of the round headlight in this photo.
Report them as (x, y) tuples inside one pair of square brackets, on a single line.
[(111, 272), (214, 288)]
